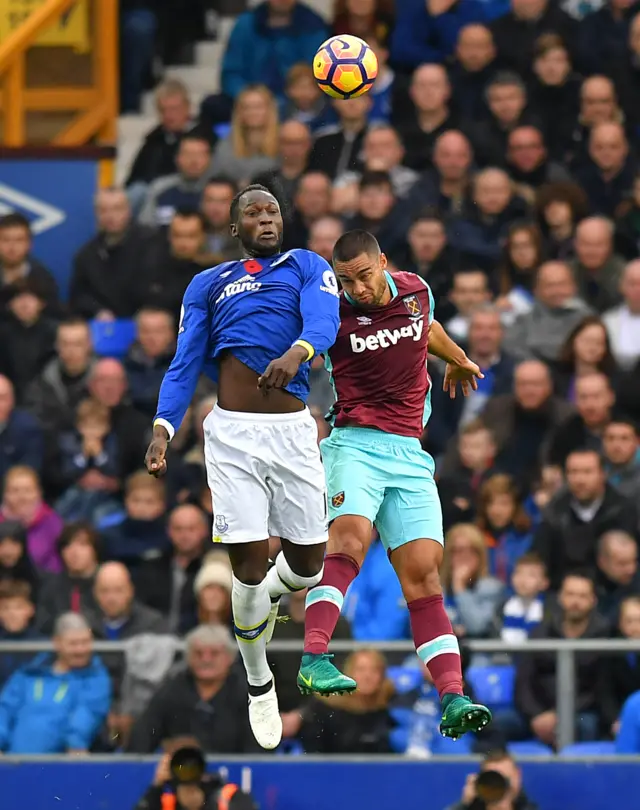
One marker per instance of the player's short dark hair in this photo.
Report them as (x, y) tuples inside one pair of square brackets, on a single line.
[(14, 220), (354, 243), (235, 202)]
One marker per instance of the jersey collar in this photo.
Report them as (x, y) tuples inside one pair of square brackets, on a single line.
[(392, 287)]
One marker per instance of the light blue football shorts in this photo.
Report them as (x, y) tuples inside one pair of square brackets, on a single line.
[(385, 478)]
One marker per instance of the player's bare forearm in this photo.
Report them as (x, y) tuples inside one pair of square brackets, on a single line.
[(443, 347)]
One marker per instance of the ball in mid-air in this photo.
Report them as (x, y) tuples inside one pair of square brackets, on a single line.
[(345, 66)]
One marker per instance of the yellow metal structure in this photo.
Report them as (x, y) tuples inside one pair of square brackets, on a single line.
[(37, 95)]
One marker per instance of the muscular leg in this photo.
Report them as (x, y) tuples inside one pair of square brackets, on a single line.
[(349, 540), (251, 606), (417, 565)]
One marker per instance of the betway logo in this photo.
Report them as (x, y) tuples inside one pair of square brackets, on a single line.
[(246, 284), (384, 338)]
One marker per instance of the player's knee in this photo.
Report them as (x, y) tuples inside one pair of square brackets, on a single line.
[(350, 543)]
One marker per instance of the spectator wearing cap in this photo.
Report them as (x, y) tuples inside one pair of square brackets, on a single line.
[(506, 96), (555, 92), (105, 267), (21, 437), (27, 336), (577, 516), (445, 187), (623, 322), (427, 32), (58, 702), (207, 699), (429, 116), (70, 590), (63, 384), (22, 500), (183, 189), (472, 69), (617, 575), (597, 267), (516, 32), (609, 176), (148, 359), (212, 587), (556, 311), (166, 582), (171, 264), (17, 264)]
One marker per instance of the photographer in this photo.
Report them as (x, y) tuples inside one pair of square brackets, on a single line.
[(498, 786), (181, 783)]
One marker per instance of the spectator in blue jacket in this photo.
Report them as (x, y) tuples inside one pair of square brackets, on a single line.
[(374, 605), (149, 357), (264, 44), (56, 704), (21, 437), (427, 30)]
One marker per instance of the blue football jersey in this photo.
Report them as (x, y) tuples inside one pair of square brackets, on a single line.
[(257, 309)]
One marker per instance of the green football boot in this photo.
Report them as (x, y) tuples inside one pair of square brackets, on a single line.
[(318, 676), (460, 716)]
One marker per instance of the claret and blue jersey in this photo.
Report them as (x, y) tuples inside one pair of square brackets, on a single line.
[(256, 308)]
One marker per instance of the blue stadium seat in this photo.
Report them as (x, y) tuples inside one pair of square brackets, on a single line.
[(405, 679), (113, 338), (402, 716), (529, 748), (605, 748), (222, 130), (290, 747), (493, 686)]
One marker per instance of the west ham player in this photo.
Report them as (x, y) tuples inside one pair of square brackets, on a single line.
[(378, 474), (254, 325)]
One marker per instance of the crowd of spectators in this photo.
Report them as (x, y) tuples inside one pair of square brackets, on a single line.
[(495, 157)]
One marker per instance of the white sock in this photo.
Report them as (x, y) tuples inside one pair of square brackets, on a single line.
[(281, 579), (251, 605)]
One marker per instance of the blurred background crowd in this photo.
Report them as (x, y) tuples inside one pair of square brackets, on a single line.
[(496, 158)]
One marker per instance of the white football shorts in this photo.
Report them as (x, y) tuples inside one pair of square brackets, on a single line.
[(266, 477)]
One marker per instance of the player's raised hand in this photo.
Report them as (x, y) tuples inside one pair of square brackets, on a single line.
[(155, 459), (467, 373), (281, 371)]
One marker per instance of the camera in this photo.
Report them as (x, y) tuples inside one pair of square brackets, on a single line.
[(187, 766), (491, 786)]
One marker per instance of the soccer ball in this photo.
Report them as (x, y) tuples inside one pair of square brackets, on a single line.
[(345, 66)]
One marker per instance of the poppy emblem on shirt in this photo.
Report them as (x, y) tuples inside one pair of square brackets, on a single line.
[(252, 266), (337, 500), (412, 305)]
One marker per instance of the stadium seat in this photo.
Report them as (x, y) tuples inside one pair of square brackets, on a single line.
[(493, 685), (604, 748), (529, 748), (405, 679), (113, 338), (222, 130), (402, 716)]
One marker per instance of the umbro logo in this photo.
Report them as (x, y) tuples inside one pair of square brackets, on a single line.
[(364, 321)]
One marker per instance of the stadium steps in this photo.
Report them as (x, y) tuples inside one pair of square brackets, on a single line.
[(202, 78)]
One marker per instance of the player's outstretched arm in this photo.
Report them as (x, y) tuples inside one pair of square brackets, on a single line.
[(179, 383), (319, 308), (459, 368)]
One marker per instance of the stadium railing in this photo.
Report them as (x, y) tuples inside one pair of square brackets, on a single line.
[(564, 650)]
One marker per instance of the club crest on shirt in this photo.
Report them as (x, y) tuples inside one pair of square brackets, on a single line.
[(220, 524), (412, 305), (337, 500)]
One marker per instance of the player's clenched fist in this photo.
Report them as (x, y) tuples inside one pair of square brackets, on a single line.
[(281, 371), (154, 459)]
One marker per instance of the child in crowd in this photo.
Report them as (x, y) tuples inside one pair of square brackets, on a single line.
[(142, 533), (505, 523), (88, 471), (305, 101), (459, 487), (523, 611), (16, 624)]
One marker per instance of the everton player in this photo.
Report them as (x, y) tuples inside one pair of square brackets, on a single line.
[(254, 325), (378, 474)]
